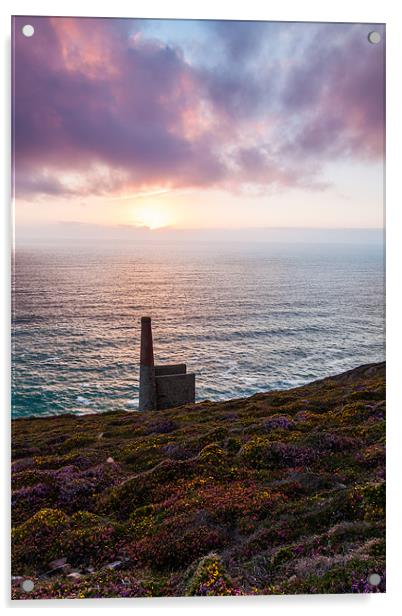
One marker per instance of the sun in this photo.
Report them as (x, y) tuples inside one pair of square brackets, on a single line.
[(152, 216)]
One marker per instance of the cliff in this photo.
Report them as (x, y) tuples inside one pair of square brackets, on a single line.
[(279, 493)]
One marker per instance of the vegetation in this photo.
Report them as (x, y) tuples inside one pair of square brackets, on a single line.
[(279, 493)]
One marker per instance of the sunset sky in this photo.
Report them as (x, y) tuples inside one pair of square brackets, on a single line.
[(197, 125)]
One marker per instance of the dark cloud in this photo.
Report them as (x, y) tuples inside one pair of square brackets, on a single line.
[(337, 88), (123, 109), (98, 99)]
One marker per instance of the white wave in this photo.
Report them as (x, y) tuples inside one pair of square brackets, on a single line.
[(83, 412)]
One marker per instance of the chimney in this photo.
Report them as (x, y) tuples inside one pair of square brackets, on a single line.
[(147, 399)]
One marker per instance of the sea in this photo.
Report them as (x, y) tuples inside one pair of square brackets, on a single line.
[(245, 317)]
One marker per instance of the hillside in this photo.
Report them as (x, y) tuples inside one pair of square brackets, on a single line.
[(279, 493)]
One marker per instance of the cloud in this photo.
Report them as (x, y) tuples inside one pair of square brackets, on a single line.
[(242, 39), (123, 107), (340, 95), (99, 108)]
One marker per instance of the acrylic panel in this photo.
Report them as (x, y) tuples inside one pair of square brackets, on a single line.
[(198, 375)]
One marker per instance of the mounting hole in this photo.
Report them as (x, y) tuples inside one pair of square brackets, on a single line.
[(374, 579), (374, 37), (27, 585), (28, 30)]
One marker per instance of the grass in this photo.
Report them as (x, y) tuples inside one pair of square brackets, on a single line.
[(280, 493)]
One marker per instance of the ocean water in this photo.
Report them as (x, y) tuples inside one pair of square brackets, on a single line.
[(244, 317)]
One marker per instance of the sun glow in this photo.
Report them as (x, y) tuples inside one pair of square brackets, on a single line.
[(152, 216)]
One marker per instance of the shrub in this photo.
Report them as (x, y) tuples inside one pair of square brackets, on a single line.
[(279, 422), (77, 442), (172, 547), (90, 540), (78, 460), (262, 453), (27, 501), (233, 445), (76, 489), (160, 426), (142, 456), (331, 442), (368, 395), (39, 540), (281, 556), (213, 459), (372, 500), (211, 579)]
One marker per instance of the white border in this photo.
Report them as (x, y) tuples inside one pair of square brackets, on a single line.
[(285, 10)]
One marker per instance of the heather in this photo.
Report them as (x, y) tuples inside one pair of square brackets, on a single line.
[(279, 493)]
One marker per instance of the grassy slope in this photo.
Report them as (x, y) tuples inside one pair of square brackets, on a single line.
[(278, 493)]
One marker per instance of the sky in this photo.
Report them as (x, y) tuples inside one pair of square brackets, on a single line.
[(132, 126)]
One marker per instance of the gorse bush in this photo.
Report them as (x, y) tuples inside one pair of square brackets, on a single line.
[(262, 453), (39, 540)]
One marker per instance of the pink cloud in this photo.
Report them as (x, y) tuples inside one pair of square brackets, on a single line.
[(92, 95)]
